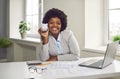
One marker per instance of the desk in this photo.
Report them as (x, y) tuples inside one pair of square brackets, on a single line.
[(67, 70), (14, 70)]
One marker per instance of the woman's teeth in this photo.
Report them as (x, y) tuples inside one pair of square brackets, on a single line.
[(54, 28)]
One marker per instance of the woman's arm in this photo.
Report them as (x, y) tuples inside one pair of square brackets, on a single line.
[(44, 54), (52, 58), (74, 53)]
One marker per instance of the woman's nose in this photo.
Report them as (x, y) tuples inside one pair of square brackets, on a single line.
[(54, 24)]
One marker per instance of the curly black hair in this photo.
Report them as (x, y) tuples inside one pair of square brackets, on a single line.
[(56, 13)]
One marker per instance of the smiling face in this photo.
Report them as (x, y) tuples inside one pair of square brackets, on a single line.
[(54, 26)]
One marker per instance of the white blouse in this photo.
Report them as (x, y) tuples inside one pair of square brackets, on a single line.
[(68, 47)]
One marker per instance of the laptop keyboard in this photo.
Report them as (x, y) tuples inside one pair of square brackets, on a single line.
[(97, 64)]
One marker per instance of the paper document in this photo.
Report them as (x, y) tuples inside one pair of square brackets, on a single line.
[(62, 65)]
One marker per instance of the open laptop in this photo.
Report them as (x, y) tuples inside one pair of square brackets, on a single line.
[(106, 60)]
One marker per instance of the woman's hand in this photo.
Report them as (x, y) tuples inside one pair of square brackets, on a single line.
[(44, 35), (53, 58)]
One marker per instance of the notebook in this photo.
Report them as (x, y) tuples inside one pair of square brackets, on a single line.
[(108, 58), (35, 62)]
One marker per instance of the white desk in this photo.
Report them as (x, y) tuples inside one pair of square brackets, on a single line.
[(55, 70), (14, 70)]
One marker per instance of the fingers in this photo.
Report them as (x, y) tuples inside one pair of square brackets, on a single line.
[(39, 30), (44, 34)]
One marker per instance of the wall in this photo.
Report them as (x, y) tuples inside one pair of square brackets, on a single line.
[(16, 14), (22, 50), (2, 25), (94, 33)]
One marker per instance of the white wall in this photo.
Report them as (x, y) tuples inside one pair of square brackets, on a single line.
[(16, 14), (94, 20)]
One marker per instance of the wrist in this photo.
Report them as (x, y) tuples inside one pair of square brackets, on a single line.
[(45, 40)]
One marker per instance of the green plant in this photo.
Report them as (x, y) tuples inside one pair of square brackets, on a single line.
[(116, 38), (5, 42), (23, 27)]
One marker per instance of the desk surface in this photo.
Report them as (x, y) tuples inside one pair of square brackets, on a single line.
[(59, 70), (14, 70)]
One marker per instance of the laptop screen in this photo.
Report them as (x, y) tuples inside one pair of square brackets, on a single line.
[(110, 53)]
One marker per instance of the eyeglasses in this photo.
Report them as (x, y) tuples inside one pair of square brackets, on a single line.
[(38, 70)]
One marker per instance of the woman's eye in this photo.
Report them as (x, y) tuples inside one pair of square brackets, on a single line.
[(59, 23), (51, 22)]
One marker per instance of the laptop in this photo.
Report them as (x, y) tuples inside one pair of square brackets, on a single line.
[(108, 58)]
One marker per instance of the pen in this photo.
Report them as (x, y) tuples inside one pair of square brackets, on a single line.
[(45, 63)]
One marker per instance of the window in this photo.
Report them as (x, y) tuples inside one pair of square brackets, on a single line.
[(114, 18), (33, 15)]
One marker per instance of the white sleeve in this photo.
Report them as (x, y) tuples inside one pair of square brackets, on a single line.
[(74, 53), (44, 54)]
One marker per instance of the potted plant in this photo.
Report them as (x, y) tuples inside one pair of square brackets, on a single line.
[(23, 27), (116, 38), (5, 42)]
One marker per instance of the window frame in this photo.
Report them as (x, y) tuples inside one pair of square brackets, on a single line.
[(106, 22), (40, 17)]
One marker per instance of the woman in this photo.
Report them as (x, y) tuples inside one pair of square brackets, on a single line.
[(58, 43)]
